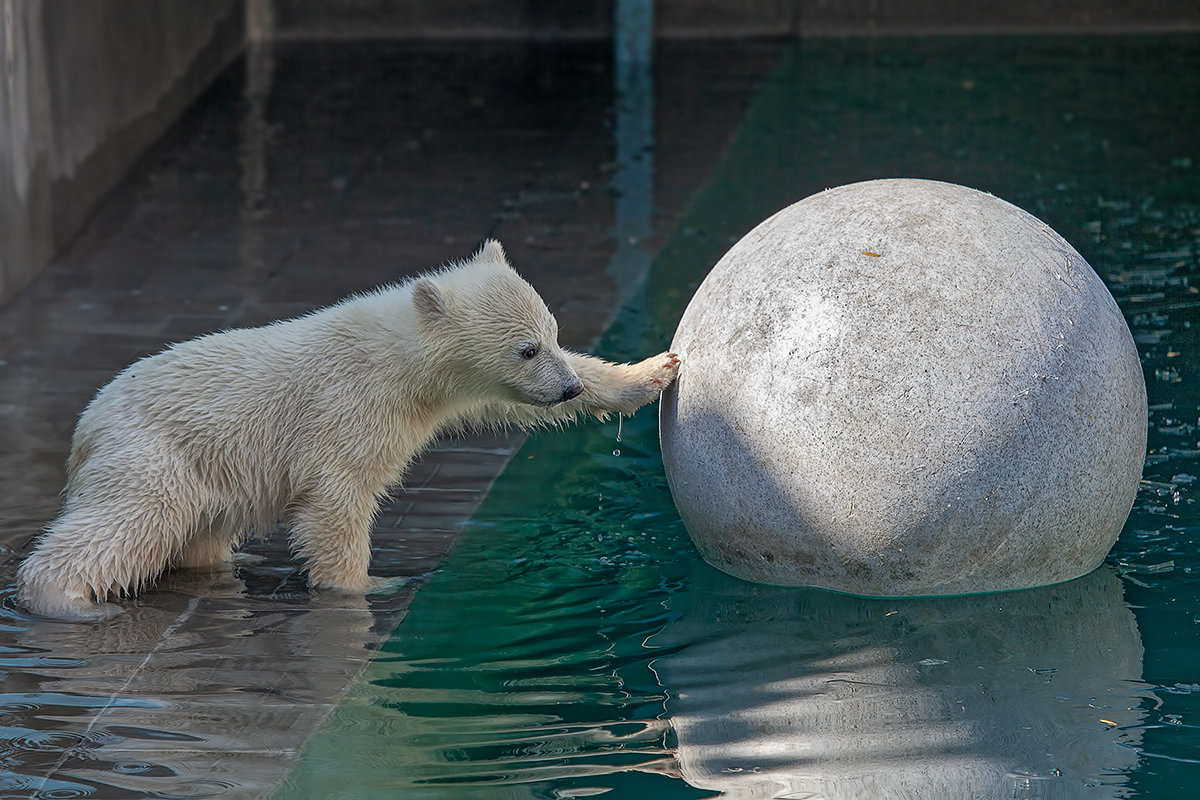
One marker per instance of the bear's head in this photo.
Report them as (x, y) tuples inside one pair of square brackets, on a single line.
[(498, 329)]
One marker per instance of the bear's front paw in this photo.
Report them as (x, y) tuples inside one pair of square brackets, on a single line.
[(667, 372), (651, 376), (657, 372)]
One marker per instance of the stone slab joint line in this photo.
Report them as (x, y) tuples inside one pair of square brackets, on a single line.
[(167, 634)]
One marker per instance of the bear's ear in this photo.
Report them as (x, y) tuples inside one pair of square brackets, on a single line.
[(492, 251), (429, 300)]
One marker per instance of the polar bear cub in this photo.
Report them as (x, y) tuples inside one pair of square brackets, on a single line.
[(309, 420)]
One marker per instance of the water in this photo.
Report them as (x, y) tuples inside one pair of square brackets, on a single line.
[(575, 645), (306, 172)]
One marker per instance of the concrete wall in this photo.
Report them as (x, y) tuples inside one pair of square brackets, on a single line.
[(719, 18), (324, 19), (387, 19), (87, 85), (85, 88)]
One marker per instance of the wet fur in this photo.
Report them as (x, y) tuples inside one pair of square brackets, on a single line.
[(311, 420)]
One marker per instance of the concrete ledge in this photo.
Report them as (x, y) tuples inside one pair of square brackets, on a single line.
[(85, 89), (440, 19), (717, 19)]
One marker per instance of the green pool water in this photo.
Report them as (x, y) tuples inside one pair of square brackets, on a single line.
[(575, 645)]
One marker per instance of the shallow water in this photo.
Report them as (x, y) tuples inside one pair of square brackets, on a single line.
[(575, 645), (596, 652), (306, 172)]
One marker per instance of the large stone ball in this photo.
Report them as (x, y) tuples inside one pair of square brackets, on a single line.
[(904, 387)]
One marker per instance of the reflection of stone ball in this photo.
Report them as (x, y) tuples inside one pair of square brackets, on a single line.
[(807, 694), (904, 387)]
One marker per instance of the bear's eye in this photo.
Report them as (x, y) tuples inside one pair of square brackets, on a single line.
[(529, 353)]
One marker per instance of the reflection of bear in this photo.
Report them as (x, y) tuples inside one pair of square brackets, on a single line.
[(311, 419)]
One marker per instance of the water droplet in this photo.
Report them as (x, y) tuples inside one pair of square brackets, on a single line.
[(616, 452), (620, 419)]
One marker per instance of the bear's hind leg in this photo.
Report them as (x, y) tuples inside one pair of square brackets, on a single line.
[(91, 551), (43, 591)]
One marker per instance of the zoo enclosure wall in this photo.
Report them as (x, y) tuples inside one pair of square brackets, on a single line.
[(87, 87)]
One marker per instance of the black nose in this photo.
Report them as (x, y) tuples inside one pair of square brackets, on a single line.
[(574, 390)]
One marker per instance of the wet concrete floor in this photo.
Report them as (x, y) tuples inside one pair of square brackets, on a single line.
[(308, 172)]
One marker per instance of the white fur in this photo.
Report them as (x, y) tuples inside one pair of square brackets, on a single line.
[(311, 420)]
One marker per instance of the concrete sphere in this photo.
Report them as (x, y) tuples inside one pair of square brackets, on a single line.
[(904, 387)]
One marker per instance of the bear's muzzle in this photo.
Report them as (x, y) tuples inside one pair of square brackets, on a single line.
[(572, 391)]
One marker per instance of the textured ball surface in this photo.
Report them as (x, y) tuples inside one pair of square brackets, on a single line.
[(904, 387)]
